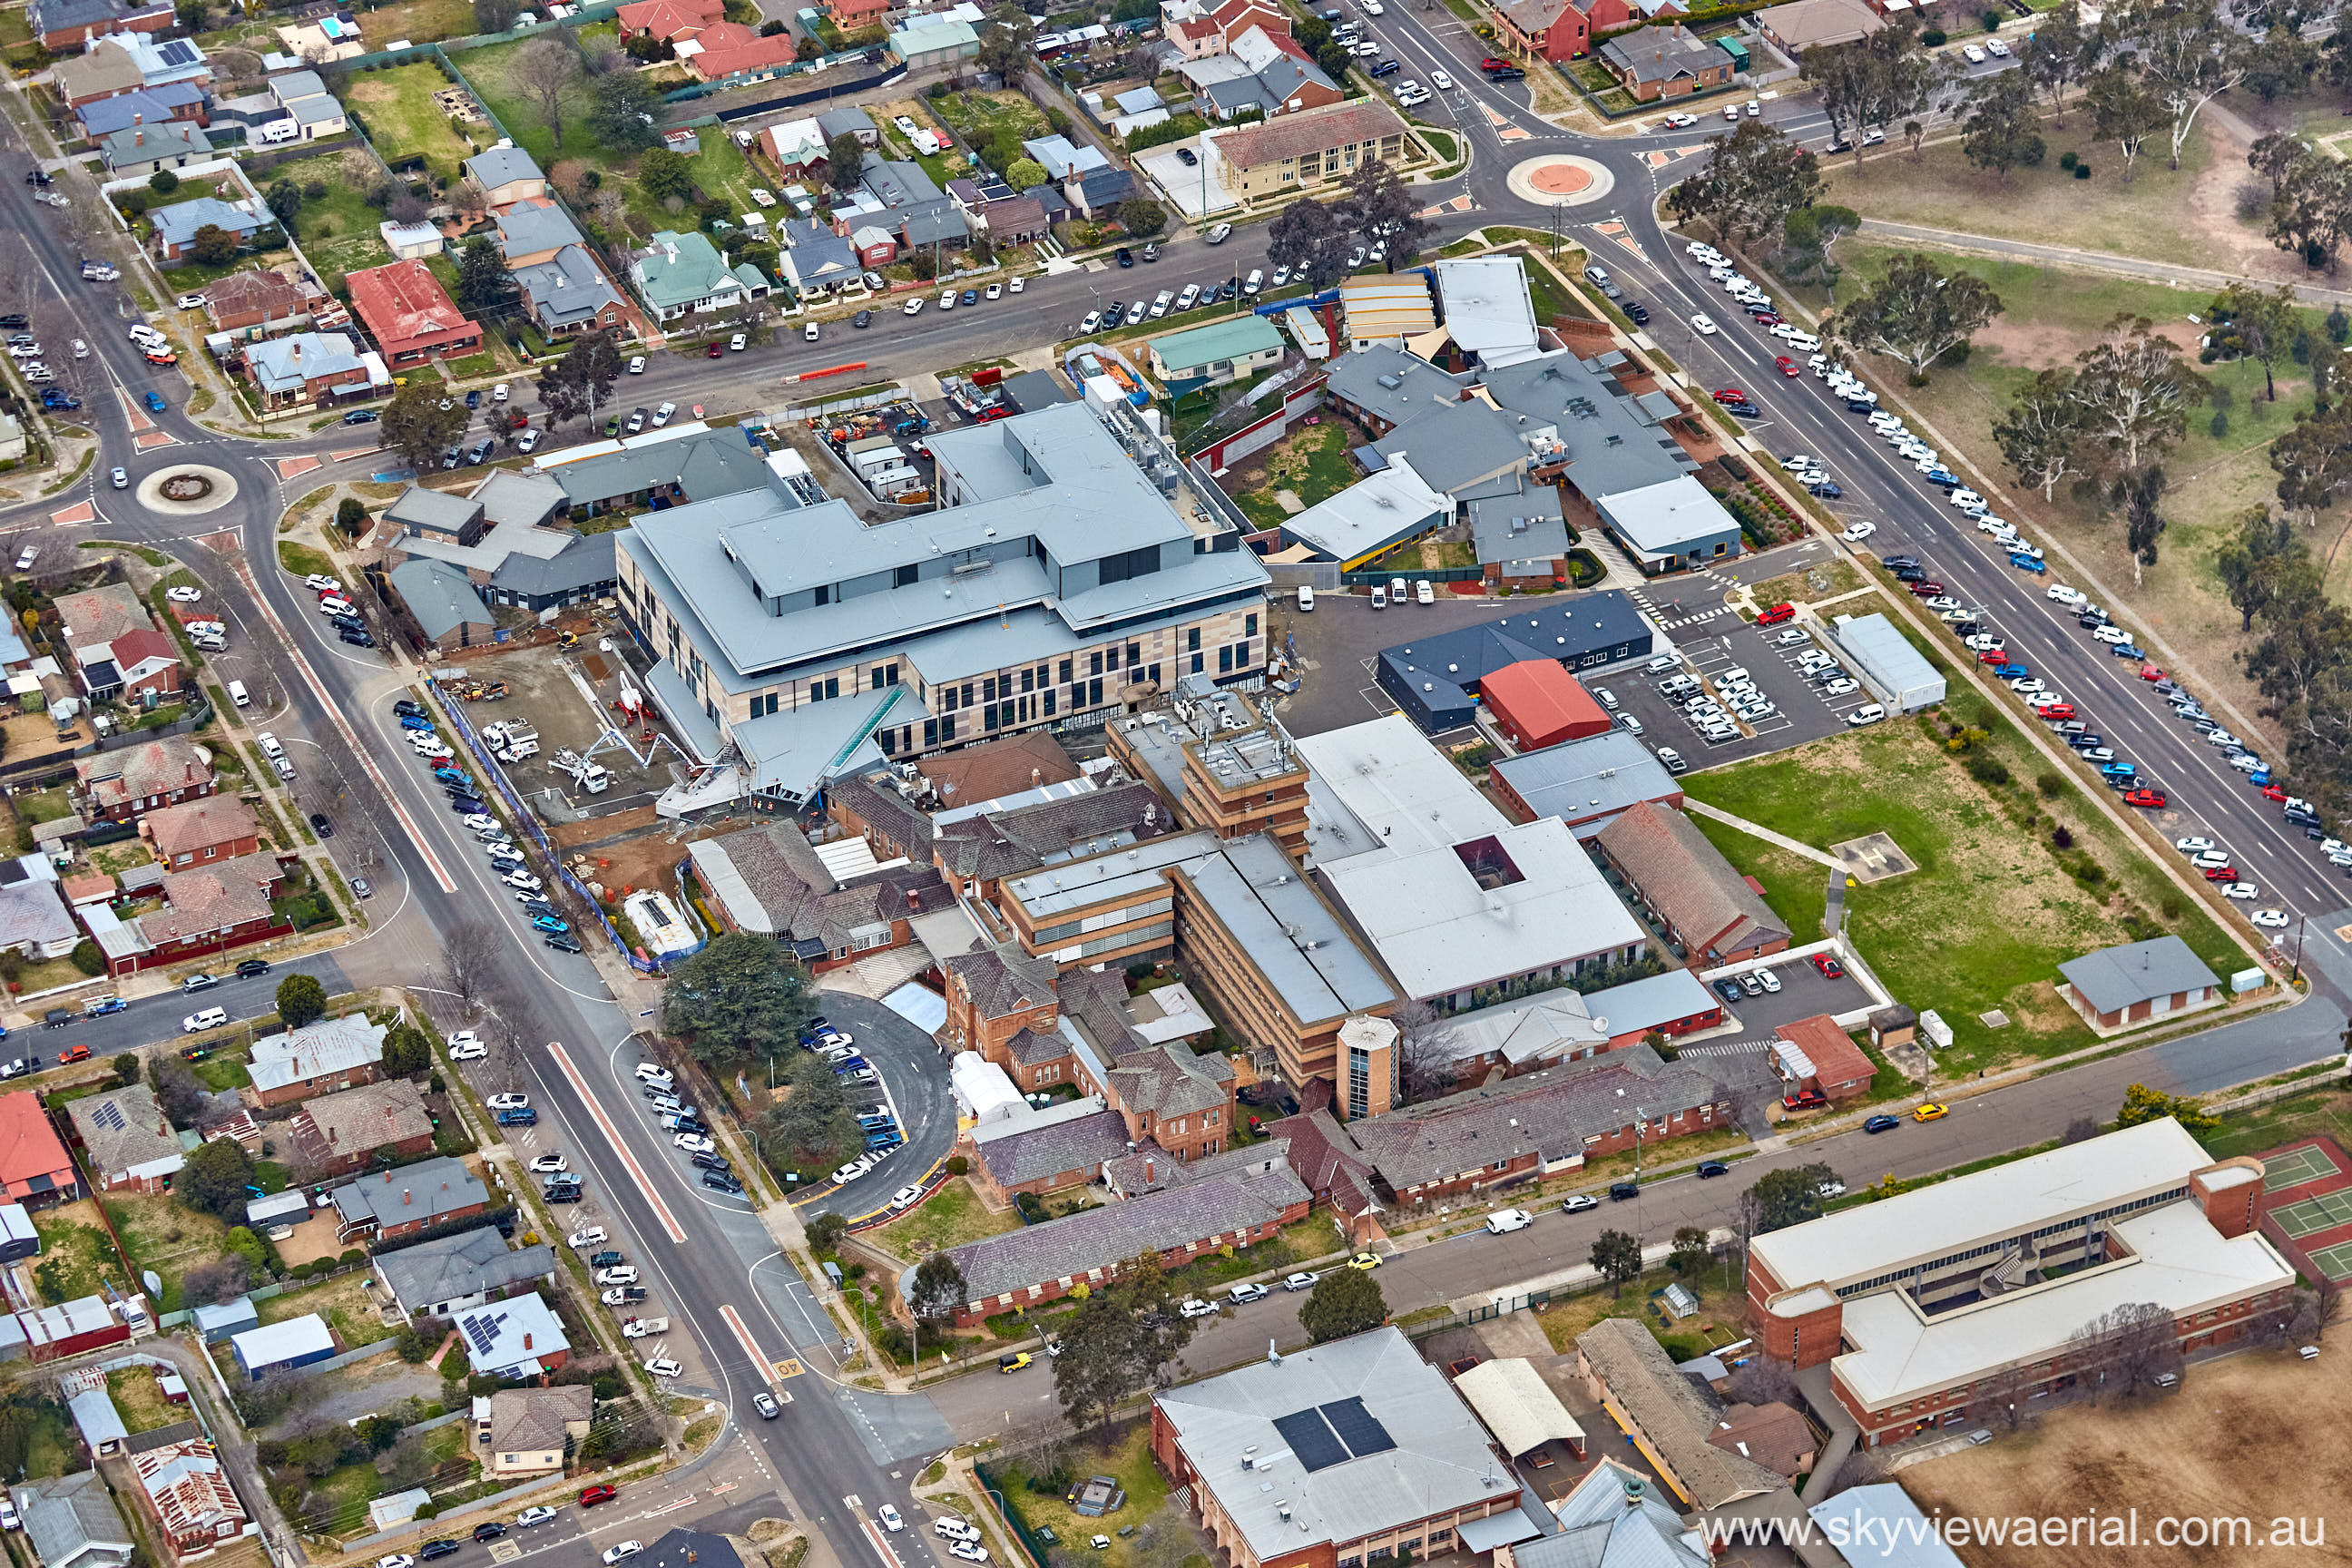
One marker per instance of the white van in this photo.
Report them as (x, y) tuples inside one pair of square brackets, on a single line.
[(1868, 713), (1306, 598), (284, 130), (237, 694)]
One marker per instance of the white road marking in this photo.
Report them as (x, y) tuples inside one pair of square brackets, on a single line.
[(613, 1136)]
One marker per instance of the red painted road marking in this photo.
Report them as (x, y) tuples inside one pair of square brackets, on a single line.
[(743, 1335), (289, 466), (613, 1136), (880, 1542), (351, 737), (153, 439), (80, 511), (349, 453), (133, 412)]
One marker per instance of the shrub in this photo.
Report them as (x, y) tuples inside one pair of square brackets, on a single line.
[(2083, 171), (2050, 784), (87, 958), (2067, 161), (1988, 770), (958, 1165), (2171, 908), (2219, 425), (2063, 839), (1934, 37)]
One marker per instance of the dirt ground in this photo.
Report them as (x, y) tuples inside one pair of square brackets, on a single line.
[(313, 1238), (2245, 1436), (636, 849), (544, 693)]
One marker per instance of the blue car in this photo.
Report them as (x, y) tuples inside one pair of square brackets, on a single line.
[(450, 775), (2119, 770), (2028, 564), (466, 805), (2260, 778), (1942, 478), (104, 1005), (2125, 650), (412, 721), (550, 923), (155, 403), (2011, 672)]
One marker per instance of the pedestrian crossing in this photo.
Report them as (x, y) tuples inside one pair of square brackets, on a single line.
[(1723, 1049), (1701, 616)]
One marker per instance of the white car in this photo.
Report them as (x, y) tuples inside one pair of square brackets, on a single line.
[(323, 584), (2269, 920), (2065, 595), (694, 1143), (905, 1198), (891, 1517), (184, 595), (626, 1548), (968, 1550), (463, 1039), (1302, 1280), (508, 1102), (662, 1366), (1503, 1221), (542, 1514), (2194, 845), (1976, 57), (2115, 636), (1856, 532), (2241, 891), (586, 1235), (548, 1165), (851, 1172), (1703, 325), (1678, 121), (914, 306), (1196, 1308), (189, 302), (1798, 464), (636, 367), (955, 1530), (624, 1274), (1770, 981), (1440, 81), (662, 415), (1996, 48), (397, 1560), (524, 880)]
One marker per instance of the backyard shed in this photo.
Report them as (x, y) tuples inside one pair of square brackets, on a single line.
[(281, 1347), (217, 1323)]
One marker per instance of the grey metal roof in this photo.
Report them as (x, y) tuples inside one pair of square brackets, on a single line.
[(1598, 1526), (148, 104), (146, 143), (586, 563), (73, 1521), (293, 84), (1297, 942), (567, 288), (1564, 629), (1080, 1143), (1442, 1460), (1656, 54), (441, 596), (426, 1190), (1669, 517), (1647, 1003), (1587, 780), (704, 465), (2112, 978), (525, 230), (436, 510), (1460, 444), (503, 165), (317, 109), (848, 118), (451, 1268), (1525, 526)]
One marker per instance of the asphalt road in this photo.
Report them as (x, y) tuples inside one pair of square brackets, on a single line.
[(913, 1084), (155, 1020)]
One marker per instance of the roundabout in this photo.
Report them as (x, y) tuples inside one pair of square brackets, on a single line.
[(1560, 179), (186, 489)]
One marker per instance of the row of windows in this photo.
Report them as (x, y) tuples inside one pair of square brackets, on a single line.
[(1142, 936), (2080, 1223), (1046, 935)]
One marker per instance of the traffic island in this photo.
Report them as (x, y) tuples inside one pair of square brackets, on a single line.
[(186, 489)]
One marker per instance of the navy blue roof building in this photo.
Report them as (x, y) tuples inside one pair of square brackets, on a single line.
[(1435, 678)]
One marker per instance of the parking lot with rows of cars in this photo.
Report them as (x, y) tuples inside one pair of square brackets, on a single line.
[(1784, 709)]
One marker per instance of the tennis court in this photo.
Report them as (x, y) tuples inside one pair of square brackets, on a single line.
[(2297, 1166), (2311, 1215), (2335, 1262)]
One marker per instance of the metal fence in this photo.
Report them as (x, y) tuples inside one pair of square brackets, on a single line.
[(2256, 1099), (523, 813), (857, 405)]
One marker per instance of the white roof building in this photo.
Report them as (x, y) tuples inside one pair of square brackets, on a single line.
[(1486, 308), (1453, 894)]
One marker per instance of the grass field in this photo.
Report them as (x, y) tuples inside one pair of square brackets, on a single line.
[(953, 1216), (166, 1235), (1989, 914), (341, 1300), (1720, 1306), (139, 1399), (1128, 1456), (980, 116), (1311, 462), (403, 120), (75, 1253), (338, 229)]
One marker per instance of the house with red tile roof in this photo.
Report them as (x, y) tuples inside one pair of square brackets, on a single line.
[(410, 315), (34, 1168), (147, 661), (220, 827), (669, 20), (1814, 1053), (124, 784), (729, 49), (207, 910)]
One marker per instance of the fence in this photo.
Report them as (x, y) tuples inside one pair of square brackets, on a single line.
[(523, 813), (858, 405), (1376, 578), (1257, 434), (2254, 1100), (1013, 1524)]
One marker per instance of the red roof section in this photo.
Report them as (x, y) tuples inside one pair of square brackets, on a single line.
[(1541, 704), (28, 1144), (730, 46), (667, 19), (404, 302), (137, 645), (1835, 1057)]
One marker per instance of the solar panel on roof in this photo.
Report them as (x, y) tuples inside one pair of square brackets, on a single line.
[(179, 52), (1358, 1428), (483, 1330), (108, 1115), (1311, 1439)]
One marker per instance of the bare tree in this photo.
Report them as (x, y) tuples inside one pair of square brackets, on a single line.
[(2000, 1399), (541, 72), (468, 970), (1424, 1052), (2126, 1348), (1761, 1380)]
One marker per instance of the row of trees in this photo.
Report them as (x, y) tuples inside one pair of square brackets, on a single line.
[(1315, 239)]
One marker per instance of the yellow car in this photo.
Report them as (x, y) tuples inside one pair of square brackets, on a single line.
[(1015, 1363), (1927, 1112), (1365, 1260)]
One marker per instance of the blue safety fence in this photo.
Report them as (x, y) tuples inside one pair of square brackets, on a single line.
[(522, 814)]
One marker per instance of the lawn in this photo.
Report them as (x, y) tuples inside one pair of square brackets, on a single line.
[(341, 1300), (721, 170), (2049, 316), (1570, 1316), (403, 121), (420, 21), (139, 1399), (1992, 911), (166, 1235), (303, 561), (223, 1073), (75, 1253), (1311, 462), (338, 229), (980, 116), (1126, 1455), (953, 1216)]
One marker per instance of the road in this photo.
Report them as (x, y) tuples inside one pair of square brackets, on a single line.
[(713, 1266)]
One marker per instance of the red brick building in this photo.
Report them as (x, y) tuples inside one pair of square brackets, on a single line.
[(217, 827), (410, 315), (1710, 914), (1815, 1056), (208, 910), (337, 1134), (1555, 30), (66, 27), (125, 783)]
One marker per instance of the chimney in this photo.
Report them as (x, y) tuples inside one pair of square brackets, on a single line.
[(526, 1342), (330, 1135), (137, 117), (138, 138), (1146, 1169), (407, 1198)]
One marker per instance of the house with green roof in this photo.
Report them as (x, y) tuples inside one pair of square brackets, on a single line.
[(1216, 353), (682, 275)]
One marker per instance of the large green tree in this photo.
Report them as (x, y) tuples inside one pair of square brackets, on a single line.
[(580, 382), (2041, 433), (213, 1179), (1008, 43), (1122, 1339), (939, 1287), (622, 109), (1916, 313), (740, 996), (662, 173), (484, 284), (2261, 564), (1618, 1258), (2142, 1103), (418, 427), (1785, 1197), (2001, 131), (1344, 1301), (300, 1000), (813, 1121)]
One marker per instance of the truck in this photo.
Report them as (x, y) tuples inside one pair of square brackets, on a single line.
[(95, 269)]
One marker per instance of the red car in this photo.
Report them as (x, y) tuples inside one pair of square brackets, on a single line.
[(2056, 712), (1767, 319), (1788, 366), (1993, 655), (716, 350), (77, 1054), (2147, 797), (2272, 791), (1803, 1100), (1927, 589), (2221, 874), (1491, 64), (1776, 615), (2150, 672), (1830, 967), (591, 1496), (1730, 394)]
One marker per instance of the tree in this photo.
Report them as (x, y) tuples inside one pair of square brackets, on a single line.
[(1761, 1380), (814, 1119), (2130, 1345), (2314, 461), (212, 245), (163, 181), (545, 67), (352, 517), (2259, 563), (2189, 56), (662, 173), (621, 110), (1008, 42), (2001, 131), (417, 427), (2138, 492), (2136, 394), (1753, 180), (2123, 111), (2041, 431), (484, 285), (1307, 237), (1344, 1301), (1690, 1252), (301, 999), (1379, 206), (1026, 174), (1124, 1337), (2142, 1103), (2251, 324), (213, 1179), (739, 996), (1789, 1196), (177, 1091), (1142, 217), (939, 1287), (1617, 1257), (2058, 53), (216, 1280), (285, 199), (1916, 314), (582, 380), (2280, 62), (495, 15), (845, 164), (1809, 238), (2002, 1400), (406, 1052), (1425, 1064)]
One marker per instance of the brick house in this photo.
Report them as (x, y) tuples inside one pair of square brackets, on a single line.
[(410, 315), (2120, 987), (191, 1497), (260, 296), (64, 26), (34, 1169), (998, 996), (1661, 63), (337, 1134), (124, 785), (124, 1137), (1555, 30), (1698, 900), (407, 1200), (218, 828), (208, 910), (1814, 1054), (318, 1058)]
